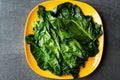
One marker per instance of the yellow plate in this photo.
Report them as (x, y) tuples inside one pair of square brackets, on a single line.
[(92, 62)]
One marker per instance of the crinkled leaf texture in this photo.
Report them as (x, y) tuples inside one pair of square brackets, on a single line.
[(63, 39)]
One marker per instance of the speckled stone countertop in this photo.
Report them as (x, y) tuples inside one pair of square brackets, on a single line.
[(13, 15)]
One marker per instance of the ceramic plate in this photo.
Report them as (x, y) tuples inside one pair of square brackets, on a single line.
[(92, 62)]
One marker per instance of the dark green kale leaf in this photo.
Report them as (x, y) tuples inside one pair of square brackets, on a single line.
[(79, 26)]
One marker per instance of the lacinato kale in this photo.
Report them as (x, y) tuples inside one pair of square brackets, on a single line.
[(64, 38)]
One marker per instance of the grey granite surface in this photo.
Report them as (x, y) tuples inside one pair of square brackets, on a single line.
[(13, 65)]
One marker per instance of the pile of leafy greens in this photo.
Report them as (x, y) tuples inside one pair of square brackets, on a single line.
[(63, 39)]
